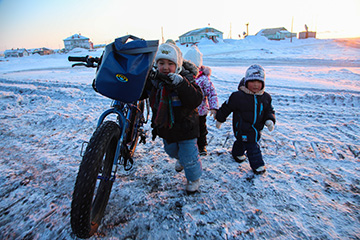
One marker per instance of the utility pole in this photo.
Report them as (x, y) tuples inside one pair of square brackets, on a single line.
[(247, 29), (162, 35), (230, 31), (292, 24)]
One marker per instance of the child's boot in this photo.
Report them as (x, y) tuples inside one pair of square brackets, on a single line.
[(202, 151), (260, 170), (240, 159), (192, 186), (178, 166)]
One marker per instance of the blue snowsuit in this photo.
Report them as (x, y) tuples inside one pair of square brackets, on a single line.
[(250, 111)]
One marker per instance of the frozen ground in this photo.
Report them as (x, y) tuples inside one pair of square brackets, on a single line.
[(311, 189)]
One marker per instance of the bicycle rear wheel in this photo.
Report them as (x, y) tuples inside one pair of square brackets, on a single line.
[(93, 183)]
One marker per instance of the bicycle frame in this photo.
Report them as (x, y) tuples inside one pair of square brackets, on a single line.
[(123, 112)]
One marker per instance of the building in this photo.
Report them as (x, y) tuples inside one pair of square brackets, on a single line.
[(77, 41), (276, 33), (194, 36), (19, 52), (43, 51), (307, 34)]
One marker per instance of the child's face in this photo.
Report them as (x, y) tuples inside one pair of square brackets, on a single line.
[(254, 85), (166, 66)]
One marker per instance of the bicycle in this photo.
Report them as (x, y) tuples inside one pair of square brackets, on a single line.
[(112, 144)]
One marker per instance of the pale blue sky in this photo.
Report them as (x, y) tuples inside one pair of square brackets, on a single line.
[(45, 23)]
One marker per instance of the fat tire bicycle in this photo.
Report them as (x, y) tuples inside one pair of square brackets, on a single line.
[(112, 145)]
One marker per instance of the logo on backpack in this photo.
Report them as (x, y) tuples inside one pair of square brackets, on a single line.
[(121, 78)]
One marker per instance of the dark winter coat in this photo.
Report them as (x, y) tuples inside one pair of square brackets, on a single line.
[(186, 97), (250, 111)]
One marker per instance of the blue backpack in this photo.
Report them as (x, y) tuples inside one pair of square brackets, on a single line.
[(124, 68)]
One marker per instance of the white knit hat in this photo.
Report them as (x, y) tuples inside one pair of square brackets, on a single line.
[(170, 52), (194, 55)]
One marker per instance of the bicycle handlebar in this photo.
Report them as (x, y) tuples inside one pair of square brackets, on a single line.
[(77, 59), (89, 61)]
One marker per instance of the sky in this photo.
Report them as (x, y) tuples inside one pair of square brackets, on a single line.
[(43, 23)]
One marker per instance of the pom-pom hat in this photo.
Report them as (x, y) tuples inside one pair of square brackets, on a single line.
[(170, 52), (255, 72)]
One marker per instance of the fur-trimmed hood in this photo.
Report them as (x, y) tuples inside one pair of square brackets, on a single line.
[(246, 90), (243, 88), (191, 67), (205, 71)]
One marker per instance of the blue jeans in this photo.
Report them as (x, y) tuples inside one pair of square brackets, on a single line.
[(187, 153), (253, 153)]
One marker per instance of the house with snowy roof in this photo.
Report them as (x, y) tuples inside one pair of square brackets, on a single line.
[(19, 52), (42, 51), (77, 41), (194, 36), (276, 33)]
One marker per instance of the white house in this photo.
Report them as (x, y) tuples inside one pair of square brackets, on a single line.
[(77, 41), (19, 52), (194, 36), (276, 33)]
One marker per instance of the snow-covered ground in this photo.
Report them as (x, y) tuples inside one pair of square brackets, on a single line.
[(311, 189)]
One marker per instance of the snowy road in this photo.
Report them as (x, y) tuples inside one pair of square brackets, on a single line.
[(310, 191)]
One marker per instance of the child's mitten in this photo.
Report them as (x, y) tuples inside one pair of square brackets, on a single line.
[(270, 125), (213, 113), (218, 124), (176, 78)]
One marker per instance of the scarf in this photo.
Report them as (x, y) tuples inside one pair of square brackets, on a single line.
[(164, 114)]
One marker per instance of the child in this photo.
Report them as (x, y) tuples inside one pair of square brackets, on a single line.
[(174, 97), (252, 109), (210, 100)]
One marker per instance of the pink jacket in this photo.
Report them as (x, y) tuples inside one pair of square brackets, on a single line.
[(210, 100)]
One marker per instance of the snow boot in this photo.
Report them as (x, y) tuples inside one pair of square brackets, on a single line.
[(260, 170), (202, 151), (240, 159), (192, 186)]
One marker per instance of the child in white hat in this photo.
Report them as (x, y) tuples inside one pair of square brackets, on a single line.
[(174, 97), (210, 100)]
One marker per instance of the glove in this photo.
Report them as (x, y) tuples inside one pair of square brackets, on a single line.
[(270, 125), (218, 124), (213, 113), (176, 79)]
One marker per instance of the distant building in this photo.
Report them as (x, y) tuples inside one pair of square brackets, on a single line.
[(307, 34), (42, 51), (194, 36), (276, 33), (77, 41), (304, 35), (19, 52)]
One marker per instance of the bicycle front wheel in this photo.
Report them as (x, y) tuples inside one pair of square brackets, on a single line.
[(93, 183)]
